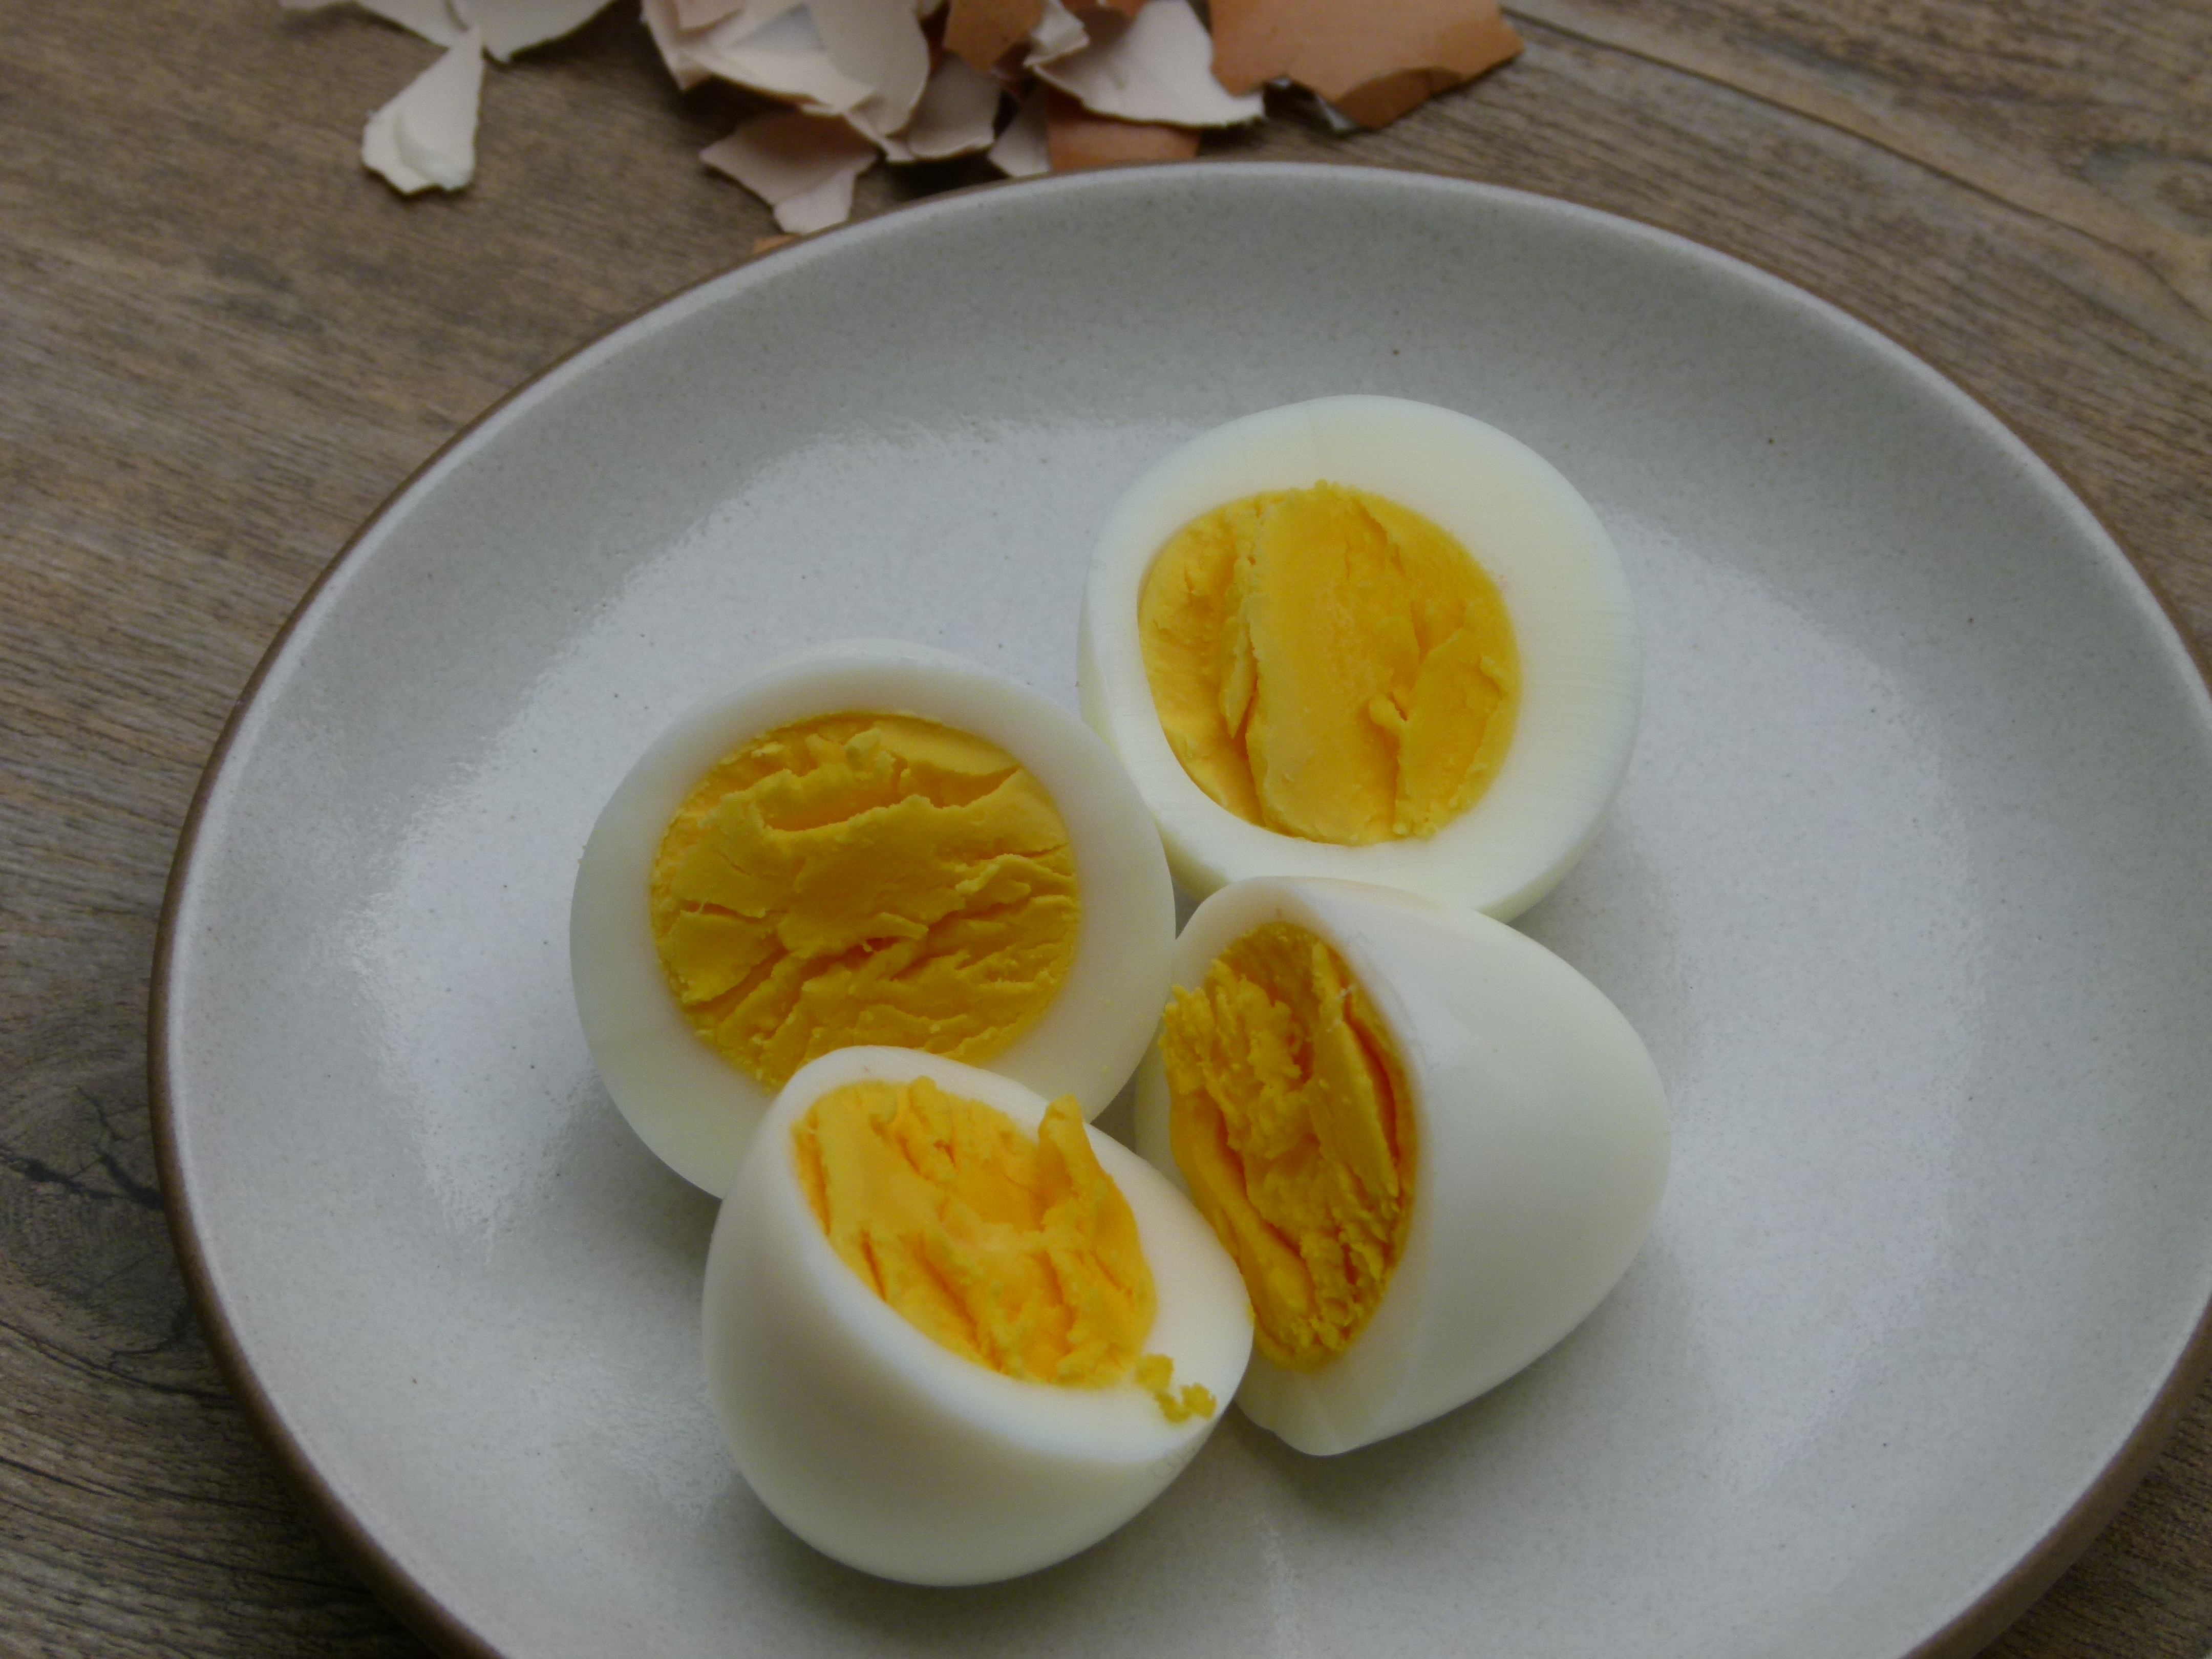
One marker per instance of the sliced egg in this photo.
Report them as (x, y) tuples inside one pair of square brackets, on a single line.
[(1519, 806), (912, 850), (1432, 1145), (877, 1442)]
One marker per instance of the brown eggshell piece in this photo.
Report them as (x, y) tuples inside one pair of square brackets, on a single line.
[(1075, 139), (981, 32), (1372, 62)]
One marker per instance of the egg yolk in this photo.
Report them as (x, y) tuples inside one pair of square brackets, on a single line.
[(1019, 1254), (1328, 665), (863, 879), (1291, 1120)]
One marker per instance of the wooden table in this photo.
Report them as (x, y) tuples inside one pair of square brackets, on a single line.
[(221, 343)]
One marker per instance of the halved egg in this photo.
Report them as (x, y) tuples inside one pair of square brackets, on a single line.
[(953, 1334), (1431, 1144), (869, 843), (1367, 639)]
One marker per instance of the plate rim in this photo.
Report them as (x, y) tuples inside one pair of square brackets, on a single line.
[(1968, 1631)]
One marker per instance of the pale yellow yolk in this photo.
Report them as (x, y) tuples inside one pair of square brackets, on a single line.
[(1291, 1120), (863, 879), (1018, 1255), (1329, 664)]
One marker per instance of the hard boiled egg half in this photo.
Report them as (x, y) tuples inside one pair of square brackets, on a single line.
[(1431, 1144), (1367, 639), (865, 843), (953, 1334)]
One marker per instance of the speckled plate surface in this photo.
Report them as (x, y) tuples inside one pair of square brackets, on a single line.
[(1909, 892)]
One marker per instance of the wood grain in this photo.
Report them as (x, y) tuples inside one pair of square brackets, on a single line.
[(221, 345)]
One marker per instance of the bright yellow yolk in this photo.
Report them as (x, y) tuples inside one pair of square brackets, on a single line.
[(1019, 1254), (1328, 665), (1292, 1122), (863, 879)]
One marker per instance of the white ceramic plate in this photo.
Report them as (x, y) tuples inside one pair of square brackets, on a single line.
[(1909, 891)]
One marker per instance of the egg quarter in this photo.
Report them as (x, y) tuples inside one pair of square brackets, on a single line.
[(1542, 1150), (1531, 534), (694, 1108), (883, 1448)]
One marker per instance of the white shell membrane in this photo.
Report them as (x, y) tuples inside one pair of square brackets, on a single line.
[(695, 1109), (1541, 1149), (1554, 566), (898, 1457)]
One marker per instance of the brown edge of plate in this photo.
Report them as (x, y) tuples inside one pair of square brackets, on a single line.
[(1967, 1633)]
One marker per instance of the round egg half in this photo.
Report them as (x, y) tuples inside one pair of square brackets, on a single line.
[(889, 1451), (1531, 1135), (696, 1108), (1548, 560)]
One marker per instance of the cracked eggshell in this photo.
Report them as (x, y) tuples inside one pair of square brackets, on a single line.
[(982, 32), (882, 47), (1024, 149), (957, 114), (427, 136), (802, 166), (1056, 32), (1159, 68), (672, 38), (1367, 64), (1075, 139), (900, 1457), (695, 1109), (1554, 566), (1540, 1151), (783, 56)]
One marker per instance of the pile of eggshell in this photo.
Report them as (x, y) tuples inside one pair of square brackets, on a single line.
[(1081, 84), (1540, 1120)]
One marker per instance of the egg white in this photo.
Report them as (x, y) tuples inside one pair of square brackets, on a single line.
[(1540, 1139), (895, 1454), (1554, 566), (694, 1108)]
